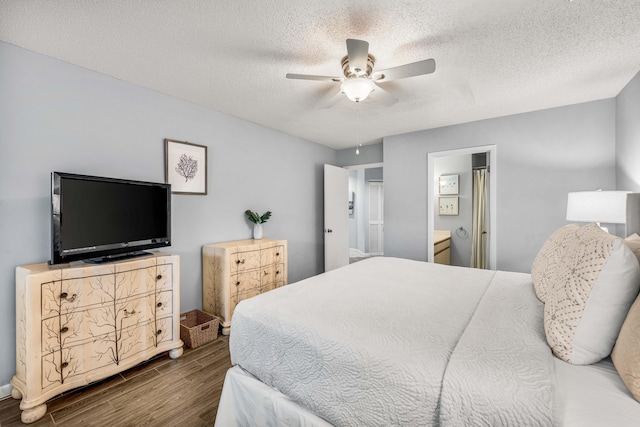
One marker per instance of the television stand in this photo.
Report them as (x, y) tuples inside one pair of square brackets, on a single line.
[(76, 325)]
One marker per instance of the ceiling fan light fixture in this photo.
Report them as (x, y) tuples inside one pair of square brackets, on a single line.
[(357, 89)]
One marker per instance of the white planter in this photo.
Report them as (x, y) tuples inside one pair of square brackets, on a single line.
[(257, 231)]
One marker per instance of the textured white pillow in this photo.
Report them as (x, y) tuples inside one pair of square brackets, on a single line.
[(545, 266), (596, 284)]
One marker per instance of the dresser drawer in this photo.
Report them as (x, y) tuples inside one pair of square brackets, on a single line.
[(271, 275), (272, 255), (245, 281), (70, 329), (160, 331), (161, 303), (160, 278), (63, 296), (244, 260), (76, 361)]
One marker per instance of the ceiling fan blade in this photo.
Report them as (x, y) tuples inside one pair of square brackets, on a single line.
[(427, 66), (331, 101), (312, 77), (358, 52), (382, 96)]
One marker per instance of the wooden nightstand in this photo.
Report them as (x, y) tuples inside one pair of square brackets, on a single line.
[(233, 271)]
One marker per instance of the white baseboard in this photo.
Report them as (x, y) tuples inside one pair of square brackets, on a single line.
[(5, 391)]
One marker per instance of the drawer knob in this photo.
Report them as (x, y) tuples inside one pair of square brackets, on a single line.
[(240, 262), (64, 364), (64, 329), (159, 304), (159, 277), (265, 273), (277, 272), (65, 296), (159, 332), (237, 283), (277, 253)]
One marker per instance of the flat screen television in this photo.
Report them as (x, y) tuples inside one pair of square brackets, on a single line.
[(97, 219)]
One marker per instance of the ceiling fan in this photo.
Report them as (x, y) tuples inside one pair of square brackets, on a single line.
[(360, 80)]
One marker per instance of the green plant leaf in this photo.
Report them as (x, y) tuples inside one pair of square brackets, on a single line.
[(253, 216), (265, 217)]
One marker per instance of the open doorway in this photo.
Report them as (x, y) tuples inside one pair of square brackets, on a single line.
[(460, 214), (447, 165), (366, 211)]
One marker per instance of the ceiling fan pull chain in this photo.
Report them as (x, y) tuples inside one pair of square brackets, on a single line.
[(358, 129)]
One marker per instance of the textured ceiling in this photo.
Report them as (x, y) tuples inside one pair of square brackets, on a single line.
[(494, 57)]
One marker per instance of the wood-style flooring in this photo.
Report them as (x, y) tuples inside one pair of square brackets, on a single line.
[(161, 392)]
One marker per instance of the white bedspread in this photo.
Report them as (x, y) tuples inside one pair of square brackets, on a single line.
[(500, 373), (373, 343)]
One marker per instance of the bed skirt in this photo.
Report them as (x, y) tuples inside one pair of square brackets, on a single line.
[(246, 401), (586, 396)]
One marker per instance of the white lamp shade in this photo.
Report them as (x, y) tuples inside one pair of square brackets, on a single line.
[(357, 89), (598, 206)]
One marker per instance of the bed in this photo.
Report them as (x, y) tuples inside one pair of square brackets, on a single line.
[(390, 341)]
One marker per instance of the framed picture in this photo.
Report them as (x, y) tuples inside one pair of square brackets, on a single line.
[(448, 184), (448, 205), (186, 167)]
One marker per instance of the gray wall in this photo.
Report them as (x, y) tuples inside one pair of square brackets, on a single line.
[(368, 154), (628, 137), (460, 246), (541, 156), (373, 174), (56, 116)]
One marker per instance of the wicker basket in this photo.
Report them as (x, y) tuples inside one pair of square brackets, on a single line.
[(197, 328)]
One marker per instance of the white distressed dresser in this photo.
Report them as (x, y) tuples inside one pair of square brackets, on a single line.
[(78, 323), (233, 271)]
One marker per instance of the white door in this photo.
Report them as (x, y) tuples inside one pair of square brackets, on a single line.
[(376, 218), (336, 217)]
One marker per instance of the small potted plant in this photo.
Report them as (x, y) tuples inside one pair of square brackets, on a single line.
[(257, 221)]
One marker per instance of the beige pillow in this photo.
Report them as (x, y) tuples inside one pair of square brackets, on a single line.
[(598, 280), (633, 242), (545, 266), (626, 353)]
